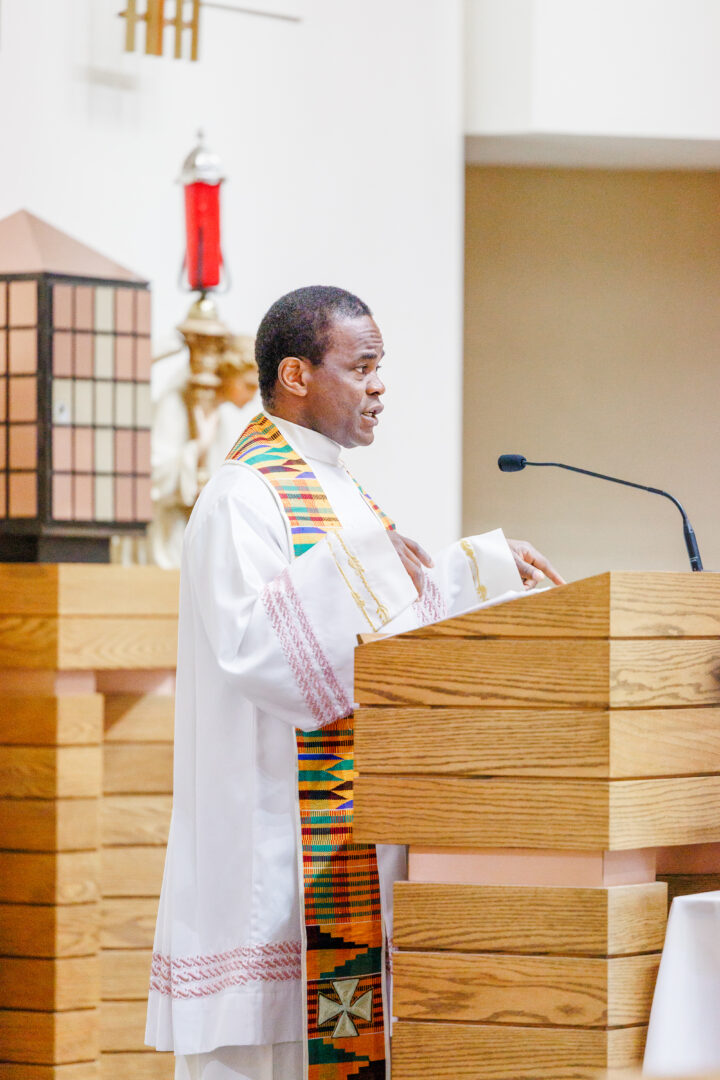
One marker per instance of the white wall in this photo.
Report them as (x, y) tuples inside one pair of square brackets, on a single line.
[(341, 137), (640, 68)]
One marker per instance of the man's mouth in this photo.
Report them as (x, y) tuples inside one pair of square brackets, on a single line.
[(372, 413)]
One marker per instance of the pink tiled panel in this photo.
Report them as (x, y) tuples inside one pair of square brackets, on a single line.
[(83, 498), (23, 495), (22, 351), (3, 303), (23, 446), (3, 495), (3, 404), (3, 352), (83, 449), (124, 498), (84, 356), (124, 310), (23, 400), (124, 452), (142, 315), (22, 303), (84, 307), (3, 449), (143, 501), (62, 306), (62, 354), (62, 449), (123, 357), (143, 359), (142, 451), (62, 508)]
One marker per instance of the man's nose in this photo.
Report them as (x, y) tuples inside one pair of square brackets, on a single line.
[(375, 384)]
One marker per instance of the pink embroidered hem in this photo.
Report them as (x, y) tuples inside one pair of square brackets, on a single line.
[(201, 976)]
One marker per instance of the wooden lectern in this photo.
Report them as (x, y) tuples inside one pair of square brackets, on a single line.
[(87, 659), (544, 760)]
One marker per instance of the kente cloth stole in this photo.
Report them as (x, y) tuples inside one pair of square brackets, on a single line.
[(343, 955)]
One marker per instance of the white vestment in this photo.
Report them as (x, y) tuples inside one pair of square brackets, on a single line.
[(266, 644)]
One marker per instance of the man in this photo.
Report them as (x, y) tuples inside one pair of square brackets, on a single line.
[(272, 929)]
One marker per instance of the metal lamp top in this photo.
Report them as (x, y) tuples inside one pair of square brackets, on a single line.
[(202, 165)]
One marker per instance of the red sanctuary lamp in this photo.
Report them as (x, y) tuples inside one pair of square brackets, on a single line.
[(201, 177)]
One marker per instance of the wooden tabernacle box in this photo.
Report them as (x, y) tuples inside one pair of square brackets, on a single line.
[(552, 763)]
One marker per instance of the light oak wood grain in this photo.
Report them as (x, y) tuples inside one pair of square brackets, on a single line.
[(128, 923), (150, 1065), (77, 1070), (42, 720), (453, 1051), (50, 772), (132, 871), (68, 877), (652, 813), (49, 824), (668, 672), (86, 589), (538, 990), (145, 767), (122, 1025), (29, 641), (477, 741), (502, 671), (49, 930), (125, 974), (524, 812), (49, 1038), (526, 919), (118, 643), (135, 819), (49, 985), (664, 605), (131, 718)]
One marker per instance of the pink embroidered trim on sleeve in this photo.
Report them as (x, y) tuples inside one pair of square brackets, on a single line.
[(318, 684), (431, 606), (200, 976)]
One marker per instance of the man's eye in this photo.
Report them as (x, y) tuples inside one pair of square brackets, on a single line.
[(362, 368)]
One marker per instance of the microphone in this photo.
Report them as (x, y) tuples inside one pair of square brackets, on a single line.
[(516, 462)]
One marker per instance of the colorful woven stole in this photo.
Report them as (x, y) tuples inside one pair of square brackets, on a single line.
[(344, 952)]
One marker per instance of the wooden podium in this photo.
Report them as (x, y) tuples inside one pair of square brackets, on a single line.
[(87, 659), (545, 760)]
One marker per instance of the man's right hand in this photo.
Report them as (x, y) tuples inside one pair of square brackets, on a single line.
[(414, 557)]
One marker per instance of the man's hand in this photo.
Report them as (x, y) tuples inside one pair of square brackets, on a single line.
[(532, 565), (413, 557)]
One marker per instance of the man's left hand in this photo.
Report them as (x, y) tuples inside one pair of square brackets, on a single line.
[(532, 566)]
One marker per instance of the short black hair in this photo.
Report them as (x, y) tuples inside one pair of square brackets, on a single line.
[(298, 324)]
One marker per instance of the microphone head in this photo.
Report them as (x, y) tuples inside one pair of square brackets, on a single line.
[(511, 462)]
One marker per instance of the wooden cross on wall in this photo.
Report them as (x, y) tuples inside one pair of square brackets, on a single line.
[(157, 15)]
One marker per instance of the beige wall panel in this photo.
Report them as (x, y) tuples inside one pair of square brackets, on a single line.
[(132, 871), (49, 930), (128, 923), (146, 767), (125, 974), (140, 1066), (52, 721), (539, 990), (69, 877), (49, 1038), (49, 825), (525, 919), (591, 330), (512, 672), (122, 1025), (131, 718), (504, 1052), (136, 819), (50, 772), (49, 985)]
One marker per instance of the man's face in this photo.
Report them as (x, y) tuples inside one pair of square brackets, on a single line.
[(343, 392)]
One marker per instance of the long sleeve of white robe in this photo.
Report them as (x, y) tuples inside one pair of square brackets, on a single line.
[(266, 644)]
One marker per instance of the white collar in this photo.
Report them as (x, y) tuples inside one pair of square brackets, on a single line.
[(307, 442)]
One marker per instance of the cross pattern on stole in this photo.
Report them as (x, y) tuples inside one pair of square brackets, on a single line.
[(345, 1008)]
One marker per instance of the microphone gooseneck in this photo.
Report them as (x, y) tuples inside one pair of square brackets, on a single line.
[(516, 462)]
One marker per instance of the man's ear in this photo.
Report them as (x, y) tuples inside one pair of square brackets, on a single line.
[(292, 375)]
